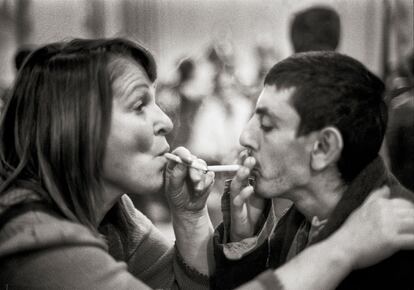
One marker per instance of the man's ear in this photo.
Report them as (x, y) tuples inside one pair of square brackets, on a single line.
[(327, 148)]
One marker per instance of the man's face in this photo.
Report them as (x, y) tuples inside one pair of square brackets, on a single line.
[(282, 158)]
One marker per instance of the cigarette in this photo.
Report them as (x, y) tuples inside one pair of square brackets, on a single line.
[(223, 168), (177, 159), (214, 168)]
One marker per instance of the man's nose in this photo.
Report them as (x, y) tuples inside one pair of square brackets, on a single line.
[(248, 137)]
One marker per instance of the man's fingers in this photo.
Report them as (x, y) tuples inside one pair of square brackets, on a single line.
[(249, 162), (239, 181), (244, 195)]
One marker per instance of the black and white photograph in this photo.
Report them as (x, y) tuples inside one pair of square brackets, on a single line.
[(207, 144)]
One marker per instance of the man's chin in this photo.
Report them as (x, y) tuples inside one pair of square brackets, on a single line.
[(266, 190)]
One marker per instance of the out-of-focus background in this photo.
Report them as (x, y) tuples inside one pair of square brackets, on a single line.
[(212, 56)]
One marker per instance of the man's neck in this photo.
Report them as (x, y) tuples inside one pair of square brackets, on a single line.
[(320, 198)]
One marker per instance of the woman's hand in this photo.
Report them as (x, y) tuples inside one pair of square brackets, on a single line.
[(187, 188), (379, 228), (245, 207)]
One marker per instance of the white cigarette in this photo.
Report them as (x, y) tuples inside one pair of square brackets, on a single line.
[(214, 168), (223, 168), (177, 159)]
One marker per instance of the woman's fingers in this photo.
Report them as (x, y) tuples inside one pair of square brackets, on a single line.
[(177, 172), (383, 192), (198, 176)]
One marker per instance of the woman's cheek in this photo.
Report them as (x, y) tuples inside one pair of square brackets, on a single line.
[(144, 139)]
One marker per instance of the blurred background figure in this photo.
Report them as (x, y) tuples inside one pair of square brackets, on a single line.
[(400, 134), (181, 102), (315, 28), (20, 56), (266, 56)]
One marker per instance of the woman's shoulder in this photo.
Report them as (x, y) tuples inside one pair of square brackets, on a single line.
[(34, 225)]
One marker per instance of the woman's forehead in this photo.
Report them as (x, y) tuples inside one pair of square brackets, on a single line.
[(126, 67), (126, 73)]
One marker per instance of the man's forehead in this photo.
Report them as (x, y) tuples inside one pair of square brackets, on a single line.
[(273, 99)]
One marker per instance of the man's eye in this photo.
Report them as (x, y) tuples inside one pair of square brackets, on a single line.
[(266, 128)]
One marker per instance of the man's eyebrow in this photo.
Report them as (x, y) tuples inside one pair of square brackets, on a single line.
[(263, 111)]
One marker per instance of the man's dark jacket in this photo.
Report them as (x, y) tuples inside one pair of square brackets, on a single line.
[(396, 272)]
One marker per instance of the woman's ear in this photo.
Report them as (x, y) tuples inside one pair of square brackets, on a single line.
[(327, 148)]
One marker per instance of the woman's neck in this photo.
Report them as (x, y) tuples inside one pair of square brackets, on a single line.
[(107, 199)]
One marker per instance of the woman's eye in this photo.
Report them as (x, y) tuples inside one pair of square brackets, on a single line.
[(139, 107)]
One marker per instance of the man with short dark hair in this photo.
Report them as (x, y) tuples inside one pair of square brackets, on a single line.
[(314, 139)]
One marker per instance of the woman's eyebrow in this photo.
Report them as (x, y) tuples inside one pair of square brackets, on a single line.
[(132, 86)]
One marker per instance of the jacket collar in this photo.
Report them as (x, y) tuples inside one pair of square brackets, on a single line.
[(371, 177)]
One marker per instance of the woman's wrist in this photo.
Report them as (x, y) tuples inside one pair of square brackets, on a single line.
[(189, 217), (193, 232), (340, 254)]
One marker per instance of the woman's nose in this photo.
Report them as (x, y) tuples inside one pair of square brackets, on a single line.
[(163, 124)]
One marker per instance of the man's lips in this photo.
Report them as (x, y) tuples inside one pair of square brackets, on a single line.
[(255, 171)]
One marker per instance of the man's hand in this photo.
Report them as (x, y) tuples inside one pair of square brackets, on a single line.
[(378, 229), (245, 207)]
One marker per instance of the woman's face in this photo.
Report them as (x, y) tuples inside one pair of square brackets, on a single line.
[(134, 161)]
